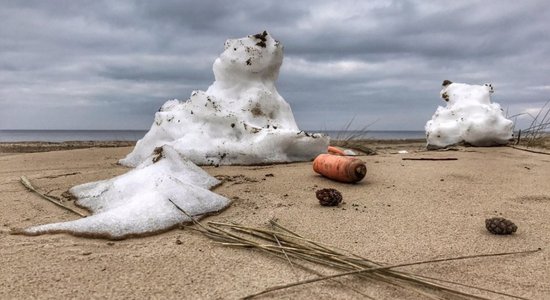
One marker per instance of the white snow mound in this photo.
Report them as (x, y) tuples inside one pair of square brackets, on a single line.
[(240, 119), (138, 202), (469, 117)]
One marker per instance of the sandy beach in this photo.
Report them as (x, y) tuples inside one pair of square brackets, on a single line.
[(403, 211)]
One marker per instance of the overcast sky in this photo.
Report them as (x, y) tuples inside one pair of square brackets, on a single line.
[(111, 64)]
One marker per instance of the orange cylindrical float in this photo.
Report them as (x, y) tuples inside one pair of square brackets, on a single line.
[(340, 168)]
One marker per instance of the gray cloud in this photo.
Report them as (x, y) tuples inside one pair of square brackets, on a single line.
[(111, 64)]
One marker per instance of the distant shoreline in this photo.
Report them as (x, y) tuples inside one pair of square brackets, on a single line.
[(57, 136), (38, 146)]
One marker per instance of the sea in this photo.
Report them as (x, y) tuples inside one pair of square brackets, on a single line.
[(134, 135)]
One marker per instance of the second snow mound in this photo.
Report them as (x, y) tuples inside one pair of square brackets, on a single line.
[(469, 117)]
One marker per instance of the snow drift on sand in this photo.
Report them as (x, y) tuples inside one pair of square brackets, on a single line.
[(138, 202), (469, 117)]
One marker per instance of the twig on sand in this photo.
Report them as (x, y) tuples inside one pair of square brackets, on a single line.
[(61, 175), (429, 158), (27, 183), (529, 150)]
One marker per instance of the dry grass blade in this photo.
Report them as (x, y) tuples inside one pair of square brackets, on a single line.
[(352, 138), (286, 256), (185, 213), (472, 287), (347, 135), (536, 134), (27, 183)]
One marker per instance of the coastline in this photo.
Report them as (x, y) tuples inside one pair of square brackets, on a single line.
[(39, 146)]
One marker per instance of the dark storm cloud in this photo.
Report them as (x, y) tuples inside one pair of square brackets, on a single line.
[(111, 64)]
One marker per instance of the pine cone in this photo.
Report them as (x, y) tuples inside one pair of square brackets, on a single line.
[(329, 197), (498, 225)]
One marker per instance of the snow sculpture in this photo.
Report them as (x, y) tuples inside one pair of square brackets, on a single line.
[(469, 117), (240, 119), (138, 202)]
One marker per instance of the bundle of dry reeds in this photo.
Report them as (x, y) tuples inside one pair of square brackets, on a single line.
[(296, 249)]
